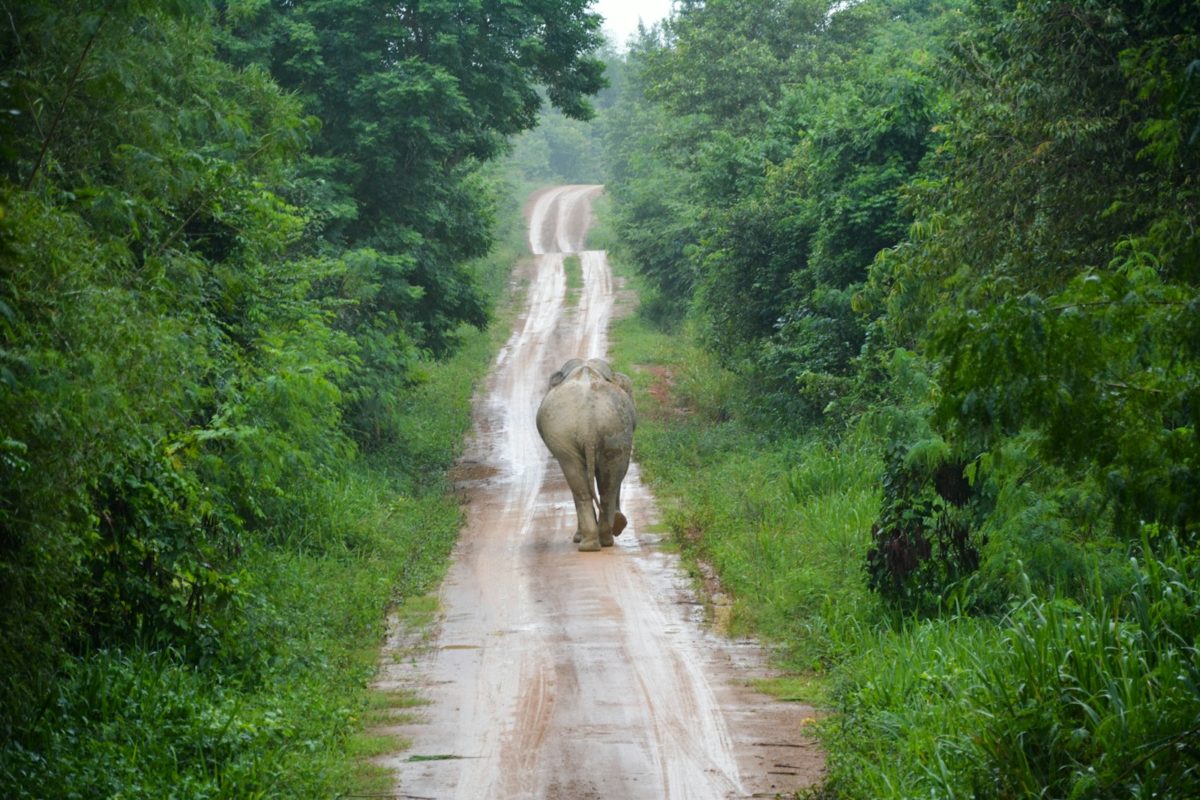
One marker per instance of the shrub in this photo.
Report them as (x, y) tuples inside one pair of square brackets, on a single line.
[(925, 540)]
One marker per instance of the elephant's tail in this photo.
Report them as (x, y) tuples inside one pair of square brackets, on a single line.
[(589, 469)]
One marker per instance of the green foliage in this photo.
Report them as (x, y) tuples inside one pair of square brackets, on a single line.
[(199, 329), (412, 103), (967, 233), (1108, 365), (760, 174), (1050, 274), (427, 93), (793, 250), (272, 710), (162, 376), (728, 61)]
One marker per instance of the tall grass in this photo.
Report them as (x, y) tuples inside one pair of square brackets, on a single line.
[(1058, 699)]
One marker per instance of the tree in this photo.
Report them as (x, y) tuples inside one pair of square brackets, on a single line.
[(165, 381), (412, 98), (1053, 279)]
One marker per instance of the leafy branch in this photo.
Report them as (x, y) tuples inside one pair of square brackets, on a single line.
[(48, 139)]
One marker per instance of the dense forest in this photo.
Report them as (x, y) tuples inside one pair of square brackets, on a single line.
[(242, 245), (921, 279), (931, 275)]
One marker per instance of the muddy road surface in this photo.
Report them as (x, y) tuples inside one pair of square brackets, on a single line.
[(565, 675)]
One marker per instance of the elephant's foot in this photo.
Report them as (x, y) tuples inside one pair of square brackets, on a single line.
[(589, 545), (606, 540), (578, 537), (619, 523)]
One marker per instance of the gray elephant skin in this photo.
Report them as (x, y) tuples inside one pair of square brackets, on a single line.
[(586, 420)]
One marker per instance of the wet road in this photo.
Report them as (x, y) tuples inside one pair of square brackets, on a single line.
[(566, 675)]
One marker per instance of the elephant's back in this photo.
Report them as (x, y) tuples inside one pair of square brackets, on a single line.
[(585, 407)]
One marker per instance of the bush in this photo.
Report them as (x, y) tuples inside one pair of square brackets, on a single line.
[(925, 540)]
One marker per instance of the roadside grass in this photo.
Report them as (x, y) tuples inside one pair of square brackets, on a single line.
[(601, 236), (783, 523), (388, 707), (1055, 699)]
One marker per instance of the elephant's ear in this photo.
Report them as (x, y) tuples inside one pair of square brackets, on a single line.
[(563, 371), (622, 380)]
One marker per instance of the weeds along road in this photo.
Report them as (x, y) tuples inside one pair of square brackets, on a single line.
[(566, 675)]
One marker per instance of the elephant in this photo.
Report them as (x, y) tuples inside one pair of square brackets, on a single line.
[(587, 420)]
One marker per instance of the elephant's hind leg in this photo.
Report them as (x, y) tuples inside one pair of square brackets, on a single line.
[(605, 522), (619, 522), (612, 521), (587, 534)]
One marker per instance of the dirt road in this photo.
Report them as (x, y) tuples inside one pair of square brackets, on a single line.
[(565, 675)]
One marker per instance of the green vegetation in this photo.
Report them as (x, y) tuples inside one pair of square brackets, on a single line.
[(917, 364), (918, 357), (243, 294), (573, 267)]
